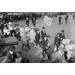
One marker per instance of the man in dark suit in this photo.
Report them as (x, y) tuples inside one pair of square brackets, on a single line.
[(37, 37), (2, 27), (66, 18), (44, 46), (43, 33), (34, 21), (62, 35), (60, 18), (27, 21), (57, 40)]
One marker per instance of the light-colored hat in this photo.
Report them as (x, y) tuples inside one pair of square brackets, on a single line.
[(10, 23)]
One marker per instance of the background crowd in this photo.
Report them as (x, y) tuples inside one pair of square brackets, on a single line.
[(32, 36)]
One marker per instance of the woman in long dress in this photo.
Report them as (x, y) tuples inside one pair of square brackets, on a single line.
[(32, 35)]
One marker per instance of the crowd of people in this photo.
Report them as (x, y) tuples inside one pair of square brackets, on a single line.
[(56, 52)]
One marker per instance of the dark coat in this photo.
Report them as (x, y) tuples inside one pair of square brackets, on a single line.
[(43, 34), (57, 41), (37, 38), (62, 36)]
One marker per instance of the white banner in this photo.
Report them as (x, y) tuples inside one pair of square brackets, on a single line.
[(47, 21)]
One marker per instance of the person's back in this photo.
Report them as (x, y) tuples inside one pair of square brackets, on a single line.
[(34, 21), (37, 37), (57, 41), (60, 18), (43, 34), (27, 21), (66, 18), (62, 36)]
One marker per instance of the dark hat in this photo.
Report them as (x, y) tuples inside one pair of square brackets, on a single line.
[(43, 27), (62, 30)]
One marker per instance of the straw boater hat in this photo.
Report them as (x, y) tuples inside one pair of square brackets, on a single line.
[(10, 23)]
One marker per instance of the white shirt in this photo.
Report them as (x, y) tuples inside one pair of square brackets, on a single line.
[(22, 31), (27, 29), (6, 31), (10, 27)]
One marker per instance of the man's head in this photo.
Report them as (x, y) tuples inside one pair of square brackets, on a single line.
[(43, 28), (57, 34), (62, 31)]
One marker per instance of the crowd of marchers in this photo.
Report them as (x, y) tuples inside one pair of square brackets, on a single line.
[(61, 51)]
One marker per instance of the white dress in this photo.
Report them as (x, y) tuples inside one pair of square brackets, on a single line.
[(32, 35), (22, 34)]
